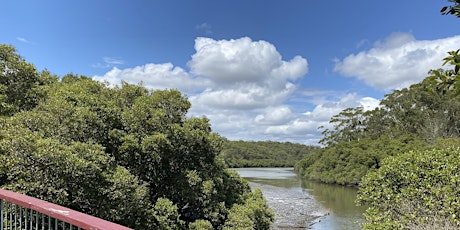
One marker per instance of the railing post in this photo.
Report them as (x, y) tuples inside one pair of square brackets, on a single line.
[(1, 214), (21, 217)]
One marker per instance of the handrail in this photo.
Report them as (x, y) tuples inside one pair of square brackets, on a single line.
[(42, 208)]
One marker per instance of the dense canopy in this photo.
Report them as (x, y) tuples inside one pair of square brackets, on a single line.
[(125, 153)]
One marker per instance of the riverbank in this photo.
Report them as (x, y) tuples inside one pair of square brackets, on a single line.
[(293, 208), (302, 204)]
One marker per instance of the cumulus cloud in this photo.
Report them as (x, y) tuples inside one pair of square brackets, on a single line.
[(243, 60), (242, 86), (243, 96), (304, 127), (246, 74), (281, 123), (155, 76), (398, 61), (325, 110), (275, 116)]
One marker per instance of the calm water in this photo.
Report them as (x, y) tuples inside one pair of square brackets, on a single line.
[(304, 204)]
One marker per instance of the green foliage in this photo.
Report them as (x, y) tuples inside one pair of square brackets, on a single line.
[(200, 225), (127, 200), (447, 142), (345, 163), (238, 154), (415, 189), (167, 215), (21, 86), (80, 176), (454, 10), (254, 214), (125, 154), (348, 126)]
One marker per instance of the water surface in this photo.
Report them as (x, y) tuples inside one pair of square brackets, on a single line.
[(304, 204)]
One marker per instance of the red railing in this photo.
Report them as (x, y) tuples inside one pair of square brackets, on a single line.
[(18, 211)]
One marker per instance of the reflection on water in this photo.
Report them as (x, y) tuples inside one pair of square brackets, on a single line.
[(267, 173), (301, 203), (278, 177), (340, 201)]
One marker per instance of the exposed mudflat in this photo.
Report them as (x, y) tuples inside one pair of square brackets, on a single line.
[(304, 204), (294, 209)]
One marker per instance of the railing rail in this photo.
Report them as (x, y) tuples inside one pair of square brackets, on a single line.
[(18, 211)]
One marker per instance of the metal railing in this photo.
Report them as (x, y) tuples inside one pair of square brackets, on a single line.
[(18, 211)]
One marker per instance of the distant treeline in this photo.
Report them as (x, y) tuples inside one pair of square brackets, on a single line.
[(238, 154)]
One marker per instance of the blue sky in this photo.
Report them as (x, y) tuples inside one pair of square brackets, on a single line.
[(259, 70)]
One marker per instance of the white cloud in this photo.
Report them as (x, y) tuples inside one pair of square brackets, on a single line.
[(21, 39), (155, 76), (24, 40), (362, 43), (243, 60), (243, 86), (204, 27), (275, 115), (303, 128), (109, 62), (369, 103), (280, 122), (243, 96), (398, 61), (113, 61), (246, 74)]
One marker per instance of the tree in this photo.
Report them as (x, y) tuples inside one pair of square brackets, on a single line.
[(80, 176), (125, 154), (21, 86), (415, 190), (167, 215), (346, 162), (348, 126)]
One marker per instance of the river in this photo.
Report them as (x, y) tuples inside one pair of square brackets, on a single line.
[(303, 204)]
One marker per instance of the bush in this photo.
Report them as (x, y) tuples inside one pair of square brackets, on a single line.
[(254, 214), (415, 190)]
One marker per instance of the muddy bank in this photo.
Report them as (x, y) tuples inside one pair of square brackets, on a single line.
[(304, 204), (294, 209)]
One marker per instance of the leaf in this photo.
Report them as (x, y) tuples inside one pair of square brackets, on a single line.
[(443, 10)]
